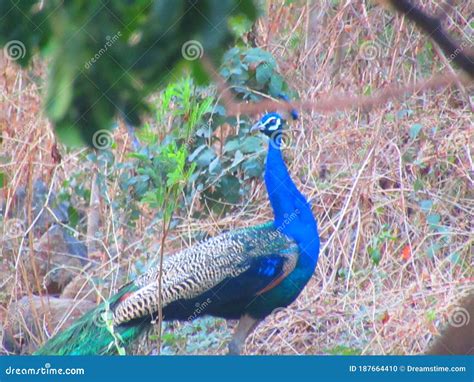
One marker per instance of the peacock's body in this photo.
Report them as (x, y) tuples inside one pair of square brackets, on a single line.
[(244, 274)]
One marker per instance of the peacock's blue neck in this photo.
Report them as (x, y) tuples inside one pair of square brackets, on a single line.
[(291, 210)]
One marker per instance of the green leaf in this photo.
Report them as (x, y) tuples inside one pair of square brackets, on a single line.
[(431, 315), (276, 85), (200, 74), (433, 219), (263, 73), (415, 130), (432, 250), (343, 350), (375, 255), (426, 205), (60, 91), (215, 166), (136, 155), (196, 152), (237, 158), (153, 198), (418, 185), (239, 25), (455, 258), (230, 188), (73, 216), (232, 145), (257, 55), (205, 157), (69, 135), (251, 144), (252, 168), (103, 66)]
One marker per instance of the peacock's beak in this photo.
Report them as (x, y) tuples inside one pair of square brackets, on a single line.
[(256, 127)]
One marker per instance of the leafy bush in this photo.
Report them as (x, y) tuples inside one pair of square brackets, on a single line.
[(189, 149), (222, 154)]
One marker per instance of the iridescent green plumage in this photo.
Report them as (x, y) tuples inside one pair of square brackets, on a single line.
[(92, 334)]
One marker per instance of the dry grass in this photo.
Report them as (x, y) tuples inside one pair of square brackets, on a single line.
[(352, 165)]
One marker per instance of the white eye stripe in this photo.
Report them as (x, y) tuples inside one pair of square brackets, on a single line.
[(272, 127), (275, 126)]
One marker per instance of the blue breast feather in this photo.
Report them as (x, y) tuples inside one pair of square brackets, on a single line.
[(269, 267)]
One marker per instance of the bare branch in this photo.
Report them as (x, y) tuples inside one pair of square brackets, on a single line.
[(433, 28)]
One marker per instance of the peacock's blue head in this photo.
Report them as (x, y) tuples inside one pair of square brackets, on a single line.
[(270, 124)]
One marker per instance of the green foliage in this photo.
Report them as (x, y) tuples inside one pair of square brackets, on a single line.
[(431, 315), (415, 130), (439, 233), (425, 58), (239, 25), (106, 59), (168, 173), (190, 149), (225, 161), (251, 70), (375, 248), (203, 335), (107, 318), (221, 162), (426, 205), (430, 211), (184, 105), (223, 165), (343, 350)]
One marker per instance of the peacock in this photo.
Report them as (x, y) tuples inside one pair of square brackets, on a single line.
[(244, 274)]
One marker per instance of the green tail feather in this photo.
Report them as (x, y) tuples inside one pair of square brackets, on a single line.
[(92, 335)]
